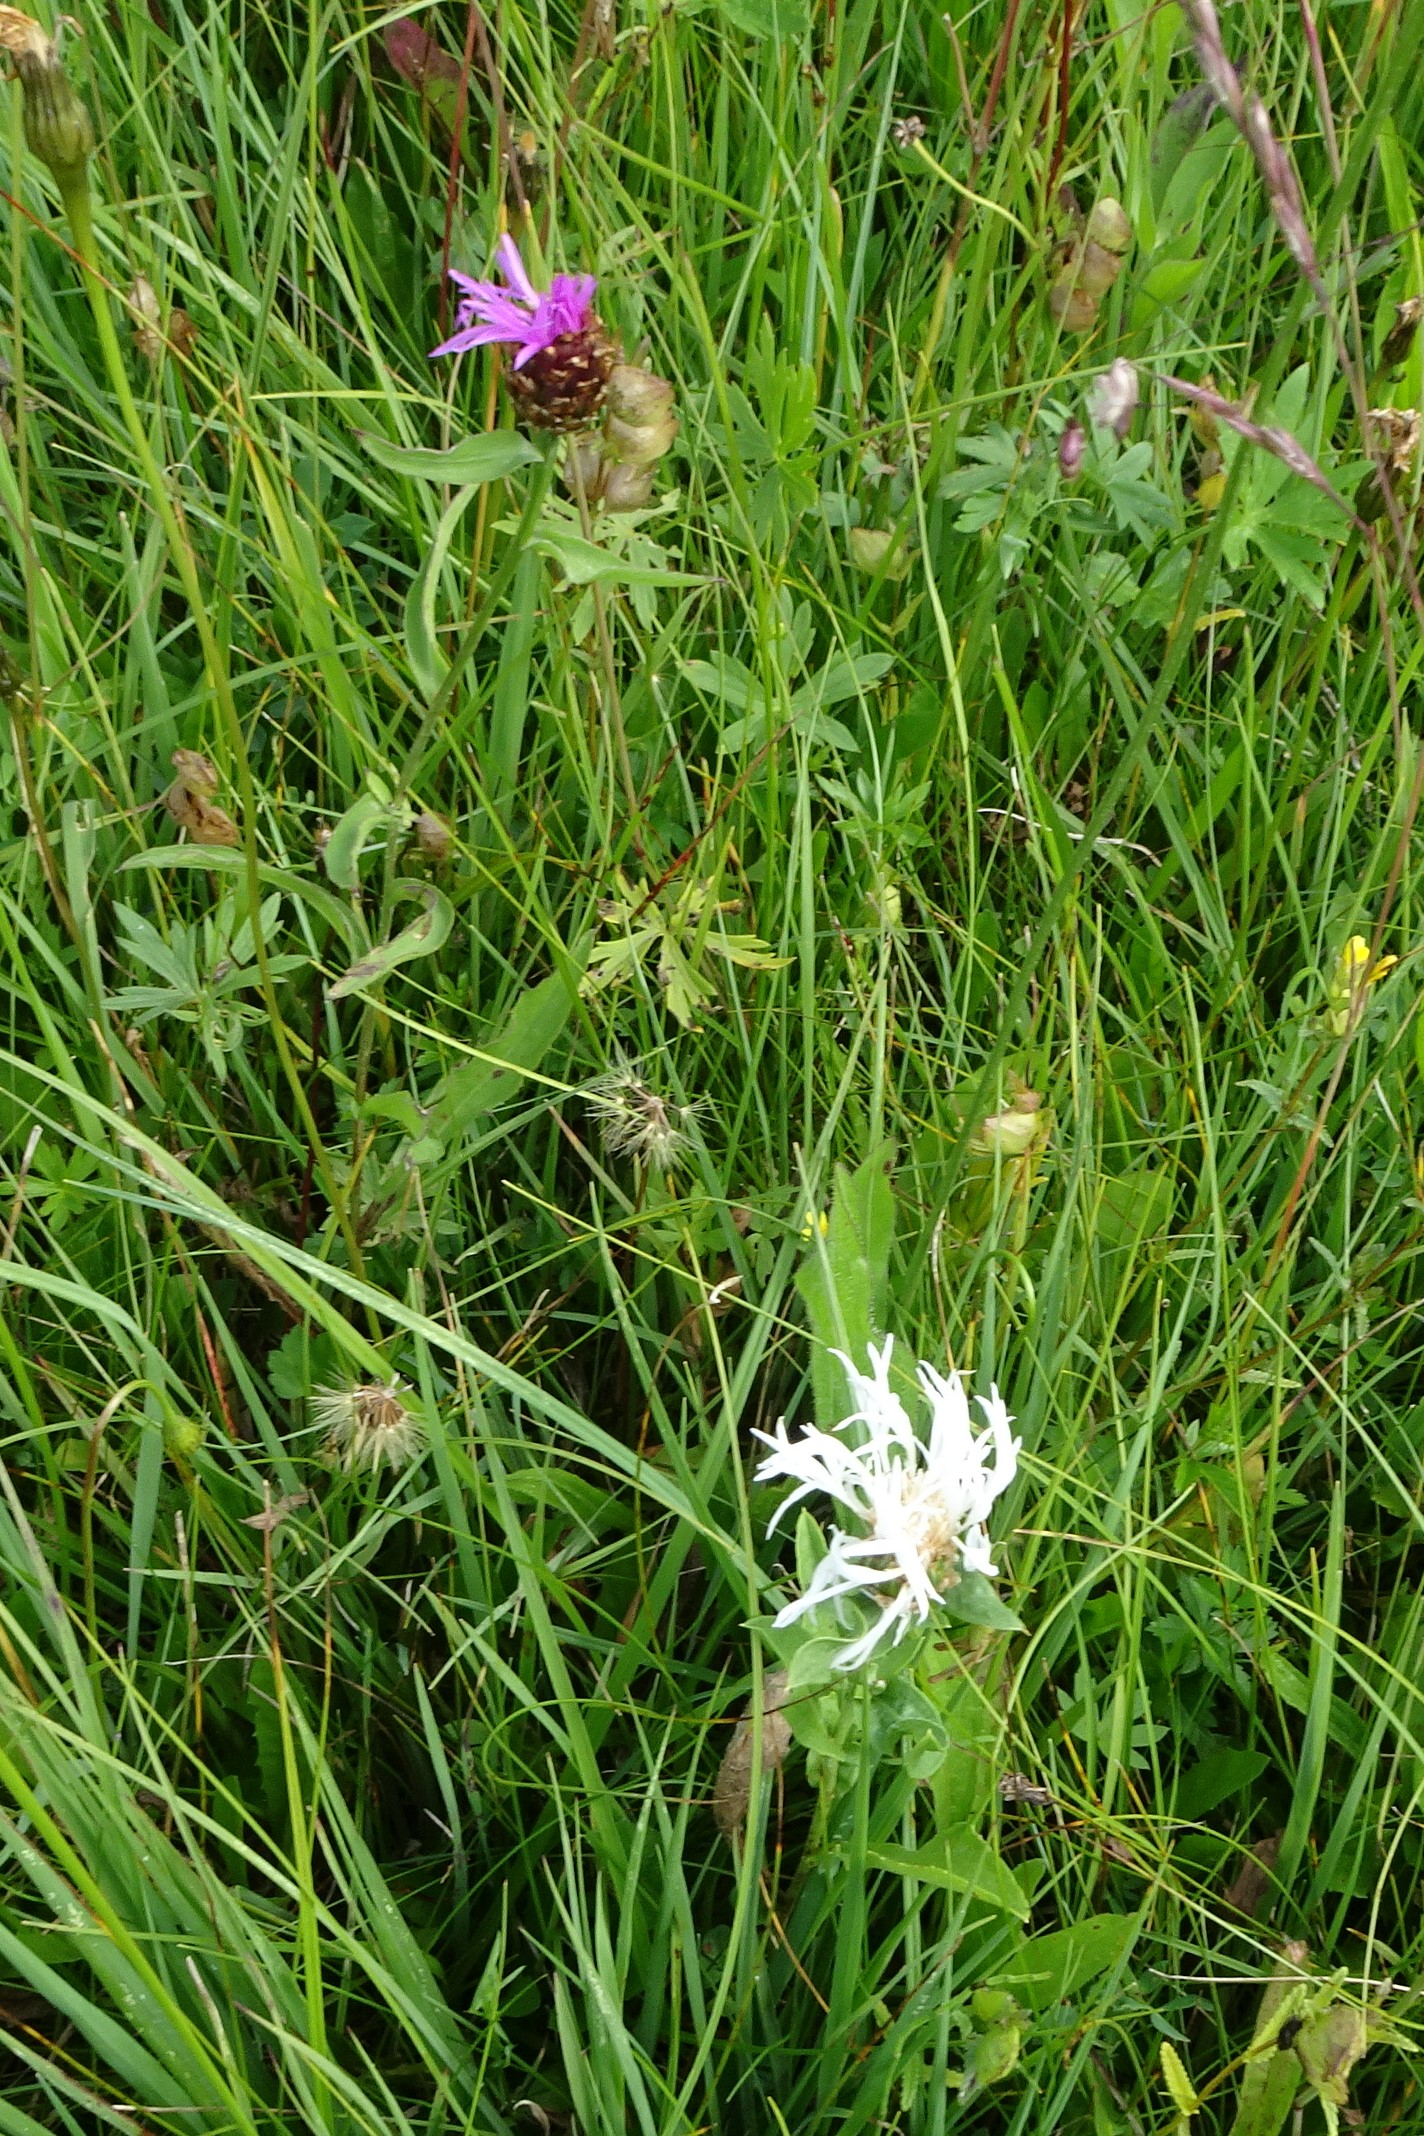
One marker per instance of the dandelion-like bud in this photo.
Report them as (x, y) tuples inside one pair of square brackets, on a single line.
[(57, 126), (922, 1508), (368, 1425)]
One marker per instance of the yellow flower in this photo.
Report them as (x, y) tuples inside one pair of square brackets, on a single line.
[(1353, 975), (816, 1220)]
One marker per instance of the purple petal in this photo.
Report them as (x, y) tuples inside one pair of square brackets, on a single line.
[(474, 335), (512, 267)]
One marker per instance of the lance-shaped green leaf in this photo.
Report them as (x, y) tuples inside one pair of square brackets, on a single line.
[(487, 458), (424, 934)]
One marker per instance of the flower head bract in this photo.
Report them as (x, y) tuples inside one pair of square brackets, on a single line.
[(514, 310), (923, 1505)]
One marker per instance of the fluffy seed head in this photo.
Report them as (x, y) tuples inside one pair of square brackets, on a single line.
[(368, 1425), (636, 1122)]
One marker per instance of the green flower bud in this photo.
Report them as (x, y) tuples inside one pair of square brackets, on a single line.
[(182, 1436), (57, 126)]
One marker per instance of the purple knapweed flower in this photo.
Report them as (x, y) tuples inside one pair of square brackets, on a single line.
[(533, 319)]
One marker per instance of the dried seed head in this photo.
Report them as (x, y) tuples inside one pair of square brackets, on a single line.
[(1109, 227), (434, 836), (639, 423), (147, 318), (584, 467), (1113, 401), (1392, 435), (1098, 268), (627, 489), (1075, 308), (196, 771), (906, 132), (182, 333), (368, 1425)]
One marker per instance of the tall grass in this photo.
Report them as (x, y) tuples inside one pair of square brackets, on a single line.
[(384, 1801)]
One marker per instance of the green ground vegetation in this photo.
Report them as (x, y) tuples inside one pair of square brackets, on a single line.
[(878, 774)]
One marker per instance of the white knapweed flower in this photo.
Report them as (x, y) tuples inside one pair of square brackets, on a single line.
[(923, 1507), (368, 1425)]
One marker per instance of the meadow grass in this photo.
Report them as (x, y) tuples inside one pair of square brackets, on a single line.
[(879, 773)]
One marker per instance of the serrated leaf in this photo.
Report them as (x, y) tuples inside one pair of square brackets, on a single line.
[(1180, 2089), (487, 458), (420, 939)]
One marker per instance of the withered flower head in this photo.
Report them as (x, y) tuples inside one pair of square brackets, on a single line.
[(189, 801), (1400, 339)]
